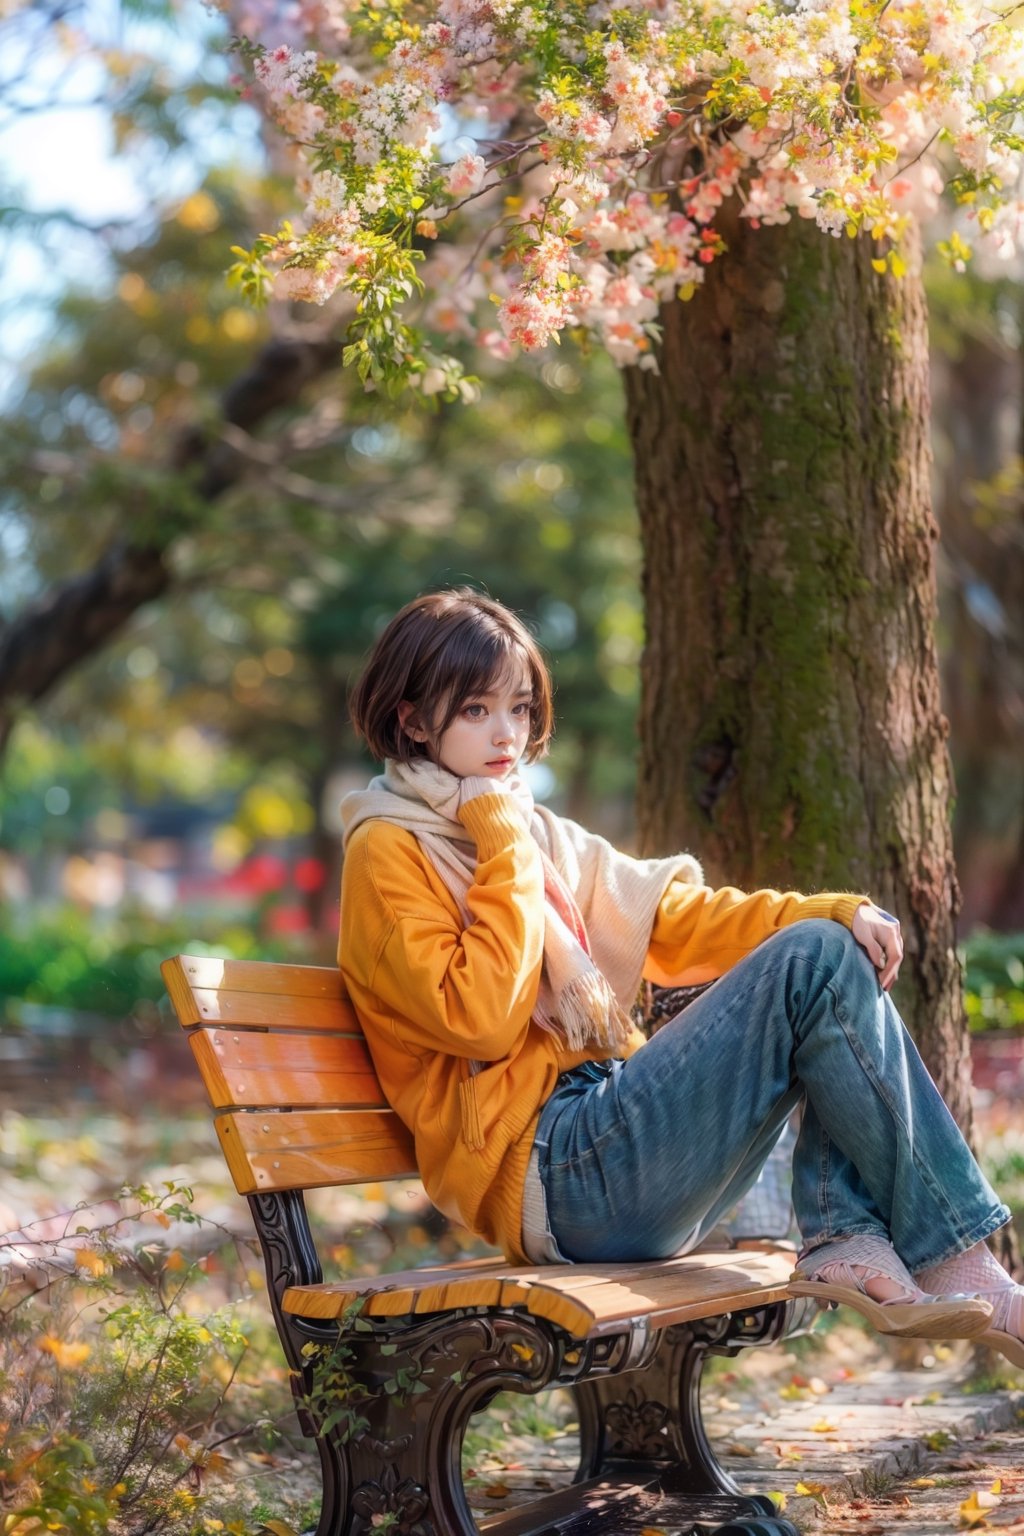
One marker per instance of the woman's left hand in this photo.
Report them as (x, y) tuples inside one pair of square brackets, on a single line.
[(878, 933)]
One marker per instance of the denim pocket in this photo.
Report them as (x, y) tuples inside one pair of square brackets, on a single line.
[(586, 1116)]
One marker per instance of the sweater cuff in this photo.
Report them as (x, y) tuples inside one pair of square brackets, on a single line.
[(839, 907), (495, 822)]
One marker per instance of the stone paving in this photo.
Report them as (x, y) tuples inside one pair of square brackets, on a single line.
[(879, 1447)]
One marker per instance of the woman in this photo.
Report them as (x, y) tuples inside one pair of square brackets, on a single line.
[(493, 951)]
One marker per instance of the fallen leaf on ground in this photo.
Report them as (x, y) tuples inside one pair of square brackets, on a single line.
[(974, 1510), (497, 1491)]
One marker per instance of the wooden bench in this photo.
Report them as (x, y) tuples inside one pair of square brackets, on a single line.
[(411, 1356)]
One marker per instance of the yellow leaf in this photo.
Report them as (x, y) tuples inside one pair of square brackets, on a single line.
[(923, 1482), (810, 1490), (997, 1486), (974, 1509), (92, 1262), (823, 1427), (523, 1351), (778, 1498), (67, 1356), (280, 1528), (897, 265), (879, 263)]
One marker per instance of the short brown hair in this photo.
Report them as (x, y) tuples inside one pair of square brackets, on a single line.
[(439, 651)]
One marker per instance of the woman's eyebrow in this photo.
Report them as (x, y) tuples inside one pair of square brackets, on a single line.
[(496, 693)]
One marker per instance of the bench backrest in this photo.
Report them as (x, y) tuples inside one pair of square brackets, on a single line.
[(297, 1100)]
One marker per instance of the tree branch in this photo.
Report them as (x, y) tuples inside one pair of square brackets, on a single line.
[(77, 618)]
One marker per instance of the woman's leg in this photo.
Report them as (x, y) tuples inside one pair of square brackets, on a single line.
[(634, 1167)]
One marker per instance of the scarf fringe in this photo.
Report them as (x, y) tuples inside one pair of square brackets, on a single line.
[(588, 1015)]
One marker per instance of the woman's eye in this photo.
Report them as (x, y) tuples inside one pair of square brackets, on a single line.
[(523, 709), (474, 711)]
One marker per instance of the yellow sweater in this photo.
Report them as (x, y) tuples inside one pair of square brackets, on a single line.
[(433, 997)]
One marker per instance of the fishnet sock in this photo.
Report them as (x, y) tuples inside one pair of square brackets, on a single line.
[(857, 1260), (979, 1273)]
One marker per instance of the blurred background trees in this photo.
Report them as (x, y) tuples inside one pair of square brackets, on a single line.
[(203, 522)]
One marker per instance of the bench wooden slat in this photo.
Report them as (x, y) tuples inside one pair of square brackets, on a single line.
[(301, 1070), (695, 1287), (265, 1010), (308, 1149), (585, 1300), (257, 976), (401, 1291)]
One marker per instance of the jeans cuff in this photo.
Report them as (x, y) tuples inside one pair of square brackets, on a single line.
[(856, 1229), (991, 1223)]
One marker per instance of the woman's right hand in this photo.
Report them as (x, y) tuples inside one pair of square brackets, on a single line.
[(478, 784), (878, 934)]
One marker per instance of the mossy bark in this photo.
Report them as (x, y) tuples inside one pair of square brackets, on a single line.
[(791, 730)]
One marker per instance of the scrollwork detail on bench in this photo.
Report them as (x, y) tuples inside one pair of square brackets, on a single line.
[(401, 1497), (639, 1426)]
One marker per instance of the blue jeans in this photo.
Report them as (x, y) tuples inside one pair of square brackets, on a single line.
[(639, 1158)]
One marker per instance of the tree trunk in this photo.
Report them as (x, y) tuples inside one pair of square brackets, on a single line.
[(791, 731)]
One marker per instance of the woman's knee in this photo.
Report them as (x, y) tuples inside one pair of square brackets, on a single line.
[(824, 956), (822, 941)]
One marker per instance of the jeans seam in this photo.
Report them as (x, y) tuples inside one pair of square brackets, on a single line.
[(824, 1209), (923, 1172)]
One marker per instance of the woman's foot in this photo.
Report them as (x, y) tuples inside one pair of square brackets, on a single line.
[(981, 1273), (865, 1272)]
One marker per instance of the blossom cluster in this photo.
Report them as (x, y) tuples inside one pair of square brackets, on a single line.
[(578, 156)]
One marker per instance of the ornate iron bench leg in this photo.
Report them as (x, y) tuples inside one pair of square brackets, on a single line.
[(419, 1381), (653, 1415)]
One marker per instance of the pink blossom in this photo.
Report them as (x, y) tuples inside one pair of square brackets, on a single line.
[(466, 175), (315, 284)]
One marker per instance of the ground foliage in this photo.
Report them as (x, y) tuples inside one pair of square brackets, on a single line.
[(141, 1380)]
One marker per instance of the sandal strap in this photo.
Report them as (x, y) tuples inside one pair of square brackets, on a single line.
[(863, 1256)]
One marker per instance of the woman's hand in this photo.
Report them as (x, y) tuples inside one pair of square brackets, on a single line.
[(878, 934)]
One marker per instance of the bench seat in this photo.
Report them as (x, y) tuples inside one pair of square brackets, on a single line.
[(587, 1300)]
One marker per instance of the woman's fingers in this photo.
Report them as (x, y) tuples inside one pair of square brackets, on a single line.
[(879, 934)]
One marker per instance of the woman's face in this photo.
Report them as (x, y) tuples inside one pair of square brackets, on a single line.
[(488, 735)]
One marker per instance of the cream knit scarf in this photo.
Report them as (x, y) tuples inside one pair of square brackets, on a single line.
[(599, 906)]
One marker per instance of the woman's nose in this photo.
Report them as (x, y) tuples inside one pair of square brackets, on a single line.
[(503, 733)]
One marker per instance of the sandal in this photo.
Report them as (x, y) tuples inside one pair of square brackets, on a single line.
[(835, 1273), (981, 1272), (1007, 1344)]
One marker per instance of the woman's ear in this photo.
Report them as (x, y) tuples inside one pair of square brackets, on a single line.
[(409, 721)]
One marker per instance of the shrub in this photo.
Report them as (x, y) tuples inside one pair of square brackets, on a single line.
[(994, 980), (122, 1396)]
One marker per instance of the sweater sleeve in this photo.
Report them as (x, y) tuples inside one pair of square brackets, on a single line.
[(700, 933), (469, 992)]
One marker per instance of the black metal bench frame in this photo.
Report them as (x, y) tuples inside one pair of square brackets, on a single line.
[(644, 1455)]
